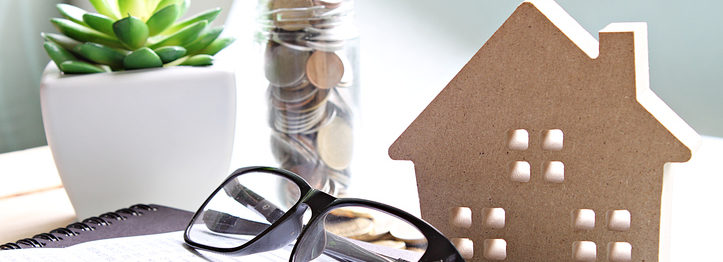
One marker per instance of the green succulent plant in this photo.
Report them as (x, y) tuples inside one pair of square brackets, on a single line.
[(132, 34)]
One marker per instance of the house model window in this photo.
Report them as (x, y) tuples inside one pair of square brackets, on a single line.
[(558, 153), (518, 139)]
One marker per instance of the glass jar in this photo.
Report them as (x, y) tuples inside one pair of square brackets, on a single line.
[(312, 69)]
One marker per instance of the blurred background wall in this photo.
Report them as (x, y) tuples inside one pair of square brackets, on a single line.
[(21, 62), (686, 54), (422, 43)]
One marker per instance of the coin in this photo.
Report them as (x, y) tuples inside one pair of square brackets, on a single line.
[(292, 15), (341, 180), (324, 69), (348, 227), (308, 172), (351, 212), (390, 244), (328, 3), (292, 148), (407, 233), (347, 79), (382, 225), (294, 95), (334, 143), (284, 66)]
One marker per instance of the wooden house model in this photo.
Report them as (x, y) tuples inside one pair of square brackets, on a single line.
[(548, 145)]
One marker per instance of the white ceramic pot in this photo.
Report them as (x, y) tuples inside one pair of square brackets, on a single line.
[(160, 136)]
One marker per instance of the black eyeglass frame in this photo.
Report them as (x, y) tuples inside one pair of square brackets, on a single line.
[(288, 227)]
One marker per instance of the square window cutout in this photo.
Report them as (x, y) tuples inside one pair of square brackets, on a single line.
[(552, 140), (461, 217), (493, 217), (583, 219), (554, 171), (584, 251), (620, 252), (520, 171), (518, 139), (465, 246), (618, 220), (495, 249)]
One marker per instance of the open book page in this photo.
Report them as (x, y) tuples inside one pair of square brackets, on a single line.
[(158, 247)]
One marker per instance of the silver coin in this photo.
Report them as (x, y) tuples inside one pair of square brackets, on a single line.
[(284, 66), (292, 148), (334, 143)]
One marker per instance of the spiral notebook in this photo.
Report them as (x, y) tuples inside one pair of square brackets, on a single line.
[(136, 220), (138, 233)]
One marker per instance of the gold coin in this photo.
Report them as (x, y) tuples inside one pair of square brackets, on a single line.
[(390, 244), (292, 15), (407, 233), (380, 231), (348, 227), (351, 212), (335, 143), (324, 69)]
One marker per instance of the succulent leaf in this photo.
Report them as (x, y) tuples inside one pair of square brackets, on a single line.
[(108, 8), (64, 41), (208, 16), (99, 22), (104, 42), (80, 67), (101, 54), (135, 8), (217, 45), (182, 37), (182, 5), (83, 34), (151, 6), (199, 60), (142, 58), (162, 19), (57, 53), (176, 62), (72, 13), (170, 53), (131, 31), (203, 40)]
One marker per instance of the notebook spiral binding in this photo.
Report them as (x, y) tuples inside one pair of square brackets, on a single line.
[(74, 229)]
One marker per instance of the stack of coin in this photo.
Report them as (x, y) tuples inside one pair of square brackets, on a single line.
[(310, 64), (376, 228)]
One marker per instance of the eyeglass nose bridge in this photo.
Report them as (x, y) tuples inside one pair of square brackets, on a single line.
[(317, 201)]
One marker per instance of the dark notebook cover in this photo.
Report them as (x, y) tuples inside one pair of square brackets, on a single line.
[(133, 221)]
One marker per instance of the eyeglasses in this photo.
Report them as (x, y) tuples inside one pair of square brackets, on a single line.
[(259, 209)]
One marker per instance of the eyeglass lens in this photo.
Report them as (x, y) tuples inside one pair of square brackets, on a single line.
[(245, 206), (359, 233)]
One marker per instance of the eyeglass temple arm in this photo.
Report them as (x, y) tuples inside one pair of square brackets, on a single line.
[(338, 247), (221, 222), (250, 199), (226, 223)]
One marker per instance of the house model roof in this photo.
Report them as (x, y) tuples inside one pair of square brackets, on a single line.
[(542, 125)]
